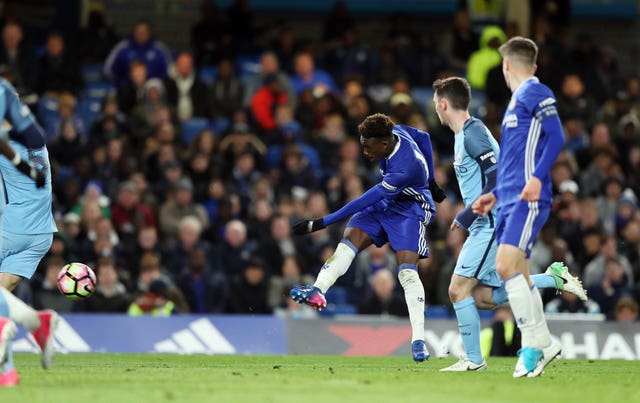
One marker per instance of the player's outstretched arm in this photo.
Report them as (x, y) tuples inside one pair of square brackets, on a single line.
[(484, 204)]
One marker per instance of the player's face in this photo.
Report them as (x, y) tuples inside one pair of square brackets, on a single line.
[(374, 149), (439, 103)]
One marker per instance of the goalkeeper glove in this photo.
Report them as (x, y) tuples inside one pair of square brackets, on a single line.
[(29, 170), (437, 193), (308, 226)]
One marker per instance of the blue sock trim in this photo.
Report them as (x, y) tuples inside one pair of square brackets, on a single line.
[(514, 276), (407, 266), (350, 245)]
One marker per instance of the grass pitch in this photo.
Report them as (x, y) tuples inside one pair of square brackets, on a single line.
[(120, 378)]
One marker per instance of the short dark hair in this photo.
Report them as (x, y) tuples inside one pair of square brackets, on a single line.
[(455, 89), (377, 125), (522, 50)]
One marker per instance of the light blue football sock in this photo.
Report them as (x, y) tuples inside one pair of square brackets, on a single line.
[(4, 312), (543, 281), (469, 324)]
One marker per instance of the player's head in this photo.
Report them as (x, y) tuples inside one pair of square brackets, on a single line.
[(376, 136), (450, 94), (519, 56)]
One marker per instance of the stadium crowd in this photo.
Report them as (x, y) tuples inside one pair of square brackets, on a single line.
[(178, 172)]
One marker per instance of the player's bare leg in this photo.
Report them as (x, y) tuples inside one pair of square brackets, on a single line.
[(414, 296)]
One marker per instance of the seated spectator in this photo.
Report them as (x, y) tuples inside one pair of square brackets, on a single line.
[(235, 249), (283, 279), (626, 310), (47, 295), (189, 237), (93, 193), (129, 213), (265, 101), (614, 286), (110, 294), (179, 206), (569, 303), (250, 289), (186, 92), (269, 65), (205, 289), (227, 91), (17, 58), (131, 92), (58, 69), (308, 77), (383, 300), (58, 129), (141, 46)]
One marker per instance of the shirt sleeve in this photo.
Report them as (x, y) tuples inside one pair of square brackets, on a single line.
[(551, 136), (423, 140)]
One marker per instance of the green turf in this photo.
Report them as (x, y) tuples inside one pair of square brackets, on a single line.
[(302, 379)]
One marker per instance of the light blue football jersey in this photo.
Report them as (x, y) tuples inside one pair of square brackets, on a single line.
[(476, 154), (25, 208)]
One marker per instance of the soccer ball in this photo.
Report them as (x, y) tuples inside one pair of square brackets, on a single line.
[(76, 281)]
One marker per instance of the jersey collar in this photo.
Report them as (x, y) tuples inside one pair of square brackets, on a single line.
[(396, 147)]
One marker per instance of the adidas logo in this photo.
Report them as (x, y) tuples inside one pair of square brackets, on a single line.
[(201, 337), (67, 340)]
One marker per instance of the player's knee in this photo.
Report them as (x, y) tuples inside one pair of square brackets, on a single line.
[(504, 270), (455, 293)]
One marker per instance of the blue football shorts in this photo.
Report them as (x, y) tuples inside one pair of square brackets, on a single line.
[(518, 224), (477, 258), (20, 254), (402, 233)]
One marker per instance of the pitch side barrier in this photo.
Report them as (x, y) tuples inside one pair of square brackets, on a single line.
[(342, 335)]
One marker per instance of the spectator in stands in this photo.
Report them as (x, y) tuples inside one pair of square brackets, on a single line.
[(205, 290), (286, 45), (461, 41), (129, 213), (58, 69), (180, 206), (235, 249), (17, 59), (250, 289), (280, 245), (140, 46), (186, 92), (614, 285), (349, 58), (626, 310), (575, 102), (486, 57), (569, 303), (265, 101), (67, 119), (383, 300), (110, 294), (269, 64), (189, 237), (308, 76), (337, 22), (602, 166), (97, 38), (93, 193), (47, 296), (227, 92)]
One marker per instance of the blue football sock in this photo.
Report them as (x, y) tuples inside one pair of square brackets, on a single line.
[(543, 281), (4, 312), (500, 295), (469, 324)]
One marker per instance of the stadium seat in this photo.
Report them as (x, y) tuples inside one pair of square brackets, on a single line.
[(47, 110), (336, 295), (208, 74), (91, 72), (98, 89), (220, 125), (89, 109), (191, 127)]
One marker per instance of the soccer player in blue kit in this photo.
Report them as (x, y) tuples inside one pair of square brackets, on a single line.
[(476, 155), (531, 140), (396, 210), (27, 228)]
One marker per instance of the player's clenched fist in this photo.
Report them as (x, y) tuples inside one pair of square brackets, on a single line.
[(484, 203), (308, 226)]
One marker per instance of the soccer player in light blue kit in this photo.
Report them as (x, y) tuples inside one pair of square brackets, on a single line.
[(396, 210), (27, 228), (531, 140), (476, 155)]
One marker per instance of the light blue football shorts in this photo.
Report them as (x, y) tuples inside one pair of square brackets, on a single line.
[(477, 258), (21, 254)]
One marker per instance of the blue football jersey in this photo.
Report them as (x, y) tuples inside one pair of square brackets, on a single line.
[(405, 172), (523, 141), (473, 145), (26, 209)]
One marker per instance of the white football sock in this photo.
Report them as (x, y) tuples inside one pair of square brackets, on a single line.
[(521, 302), (541, 330), (21, 312), (336, 265), (414, 296)]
